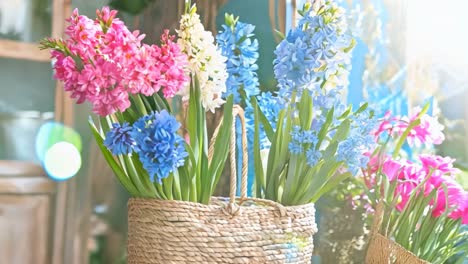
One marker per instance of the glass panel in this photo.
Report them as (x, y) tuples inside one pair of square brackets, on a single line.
[(25, 20), (27, 94)]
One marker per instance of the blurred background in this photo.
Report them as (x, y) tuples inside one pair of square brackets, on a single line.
[(60, 203)]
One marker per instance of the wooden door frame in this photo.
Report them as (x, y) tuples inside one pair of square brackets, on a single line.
[(63, 223)]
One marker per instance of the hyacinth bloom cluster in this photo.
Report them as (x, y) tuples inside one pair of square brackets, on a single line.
[(427, 132), (305, 141), (102, 62), (204, 60), (315, 55), (154, 138), (118, 139), (350, 150), (359, 140), (434, 172), (431, 172), (239, 46)]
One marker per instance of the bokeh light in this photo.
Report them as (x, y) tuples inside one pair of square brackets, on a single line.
[(62, 161), (51, 133), (58, 148)]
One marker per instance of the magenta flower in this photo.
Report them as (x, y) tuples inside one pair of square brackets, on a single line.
[(408, 179), (103, 62), (409, 175), (385, 126), (429, 131), (456, 199), (391, 169), (440, 165), (461, 212)]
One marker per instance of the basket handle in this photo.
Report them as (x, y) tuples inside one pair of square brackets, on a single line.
[(237, 111), (378, 218)]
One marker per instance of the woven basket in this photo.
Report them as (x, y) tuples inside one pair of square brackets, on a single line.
[(382, 250), (228, 230)]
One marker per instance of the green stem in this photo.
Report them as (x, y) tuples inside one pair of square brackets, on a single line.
[(140, 105), (405, 210)]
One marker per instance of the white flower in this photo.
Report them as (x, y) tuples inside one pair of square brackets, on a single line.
[(205, 61)]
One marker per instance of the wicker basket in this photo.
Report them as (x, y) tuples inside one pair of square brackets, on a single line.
[(228, 230), (383, 250)]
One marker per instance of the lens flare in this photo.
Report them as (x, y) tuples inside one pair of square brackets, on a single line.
[(62, 161), (51, 133)]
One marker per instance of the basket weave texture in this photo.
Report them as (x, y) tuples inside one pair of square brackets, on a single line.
[(228, 230), (382, 250), (184, 232)]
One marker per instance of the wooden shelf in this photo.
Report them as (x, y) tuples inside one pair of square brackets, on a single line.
[(14, 168), (22, 177), (22, 50)]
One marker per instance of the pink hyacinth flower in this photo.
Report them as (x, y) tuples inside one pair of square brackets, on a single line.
[(102, 62), (440, 165), (429, 131), (456, 199)]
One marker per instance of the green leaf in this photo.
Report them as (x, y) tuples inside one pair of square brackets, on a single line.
[(320, 180), (306, 110), (346, 113), (161, 102), (307, 175), (258, 165), (403, 137), (331, 184), (410, 127), (121, 176), (330, 150), (192, 173), (279, 156), (274, 166), (185, 183), (167, 186), (351, 46), (291, 179), (264, 121), (362, 108), (221, 146), (143, 175), (176, 186), (140, 105), (342, 131), (130, 115), (324, 130), (144, 190), (196, 126), (280, 34)]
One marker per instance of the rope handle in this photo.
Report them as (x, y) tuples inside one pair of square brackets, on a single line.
[(237, 111), (378, 218)]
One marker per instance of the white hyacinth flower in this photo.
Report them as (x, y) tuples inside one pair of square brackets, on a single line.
[(205, 60)]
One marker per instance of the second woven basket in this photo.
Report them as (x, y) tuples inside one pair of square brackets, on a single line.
[(384, 250)]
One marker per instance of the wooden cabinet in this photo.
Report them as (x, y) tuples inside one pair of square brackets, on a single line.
[(24, 228), (26, 213)]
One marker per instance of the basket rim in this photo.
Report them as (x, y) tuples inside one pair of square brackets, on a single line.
[(267, 204), (398, 246)]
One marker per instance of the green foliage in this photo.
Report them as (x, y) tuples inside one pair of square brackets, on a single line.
[(197, 179), (434, 239), (288, 178)]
